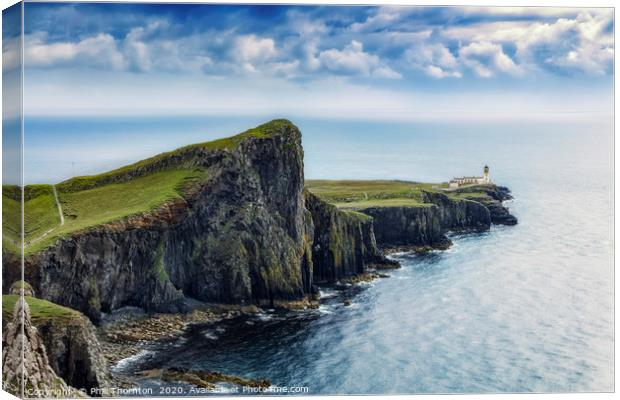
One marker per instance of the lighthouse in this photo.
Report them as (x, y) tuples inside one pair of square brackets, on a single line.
[(485, 175)]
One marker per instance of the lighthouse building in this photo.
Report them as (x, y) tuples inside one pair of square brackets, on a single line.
[(471, 180)]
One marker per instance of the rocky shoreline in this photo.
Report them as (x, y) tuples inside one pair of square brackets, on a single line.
[(252, 236)]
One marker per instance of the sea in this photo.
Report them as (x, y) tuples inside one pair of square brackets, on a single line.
[(526, 308)]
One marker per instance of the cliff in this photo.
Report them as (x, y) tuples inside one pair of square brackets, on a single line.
[(492, 196), (234, 227), (344, 241), (66, 337), (408, 226), (235, 235), (413, 215), (226, 221), (26, 370)]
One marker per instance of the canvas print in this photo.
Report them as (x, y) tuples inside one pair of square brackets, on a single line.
[(229, 199)]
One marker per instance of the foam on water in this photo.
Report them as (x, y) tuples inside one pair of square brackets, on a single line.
[(527, 308)]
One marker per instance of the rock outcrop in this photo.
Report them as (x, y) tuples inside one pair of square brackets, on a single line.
[(459, 215), (344, 241), (415, 227), (26, 371), (74, 352), (246, 233), (492, 200), (424, 226), (240, 237)]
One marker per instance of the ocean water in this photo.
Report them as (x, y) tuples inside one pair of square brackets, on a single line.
[(527, 308)]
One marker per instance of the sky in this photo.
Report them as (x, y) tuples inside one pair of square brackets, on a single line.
[(346, 62)]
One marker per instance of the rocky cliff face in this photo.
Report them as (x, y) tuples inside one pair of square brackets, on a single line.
[(74, 352), (459, 215), (247, 234), (408, 226), (344, 241), (241, 237), (495, 195), (26, 371), (425, 226)]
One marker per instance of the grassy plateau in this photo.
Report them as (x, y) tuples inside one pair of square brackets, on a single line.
[(359, 194), (88, 201), (39, 309)]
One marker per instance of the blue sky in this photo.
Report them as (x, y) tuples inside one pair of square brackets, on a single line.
[(401, 63)]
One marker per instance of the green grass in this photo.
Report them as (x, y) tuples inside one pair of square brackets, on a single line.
[(103, 204), (40, 215), (351, 194), (360, 205), (357, 195), (40, 212), (89, 201), (39, 309), (144, 167), (11, 224)]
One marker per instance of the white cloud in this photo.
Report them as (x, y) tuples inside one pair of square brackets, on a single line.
[(252, 49), (11, 54), (311, 46), (100, 49), (383, 18), (352, 59), (485, 58), (435, 60), (582, 42)]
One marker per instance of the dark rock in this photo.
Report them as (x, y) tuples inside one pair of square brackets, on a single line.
[(459, 215), (493, 201), (243, 237), (344, 242), (408, 226), (26, 369), (74, 352)]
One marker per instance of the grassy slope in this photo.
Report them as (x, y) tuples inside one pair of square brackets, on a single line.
[(229, 143), (355, 195), (39, 309), (93, 200), (352, 194), (11, 224), (102, 204), (40, 213)]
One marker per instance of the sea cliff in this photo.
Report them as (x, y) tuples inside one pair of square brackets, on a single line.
[(62, 351), (418, 216), (235, 223), (230, 223), (244, 232)]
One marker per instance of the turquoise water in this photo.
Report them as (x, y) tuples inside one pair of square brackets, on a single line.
[(517, 309)]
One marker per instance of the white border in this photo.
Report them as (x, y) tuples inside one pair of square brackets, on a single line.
[(520, 3)]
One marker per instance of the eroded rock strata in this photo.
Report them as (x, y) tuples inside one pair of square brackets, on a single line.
[(247, 234), (26, 370), (344, 242)]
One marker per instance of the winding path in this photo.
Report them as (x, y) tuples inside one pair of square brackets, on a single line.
[(62, 218)]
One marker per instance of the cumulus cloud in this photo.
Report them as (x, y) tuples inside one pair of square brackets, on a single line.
[(312, 43), (249, 48), (11, 54), (382, 18), (352, 59), (485, 58), (435, 60), (100, 50), (582, 43)]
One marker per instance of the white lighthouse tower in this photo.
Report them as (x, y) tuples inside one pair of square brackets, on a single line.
[(485, 175)]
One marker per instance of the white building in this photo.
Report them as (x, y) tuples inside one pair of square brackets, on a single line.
[(471, 180)]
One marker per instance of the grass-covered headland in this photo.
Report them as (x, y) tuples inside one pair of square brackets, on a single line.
[(88, 201), (357, 195)]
